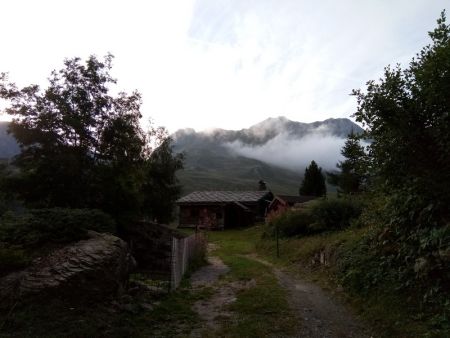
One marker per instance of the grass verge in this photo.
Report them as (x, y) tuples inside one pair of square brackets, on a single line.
[(138, 315), (262, 309), (317, 258)]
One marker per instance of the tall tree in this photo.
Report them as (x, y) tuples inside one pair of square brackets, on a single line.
[(161, 187), (313, 183), (407, 116), (352, 174), (80, 146)]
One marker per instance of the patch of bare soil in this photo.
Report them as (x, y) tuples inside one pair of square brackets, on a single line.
[(322, 316)]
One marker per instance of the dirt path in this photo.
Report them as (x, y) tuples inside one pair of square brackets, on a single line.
[(322, 317), (211, 310)]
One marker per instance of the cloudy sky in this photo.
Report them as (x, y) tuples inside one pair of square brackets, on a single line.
[(222, 63)]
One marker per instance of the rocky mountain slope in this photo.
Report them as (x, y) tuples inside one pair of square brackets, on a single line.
[(275, 150)]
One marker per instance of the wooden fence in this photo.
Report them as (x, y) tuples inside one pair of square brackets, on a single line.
[(184, 251)]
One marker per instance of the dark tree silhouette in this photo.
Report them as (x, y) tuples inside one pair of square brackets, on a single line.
[(161, 188), (407, 116), (313, 183), (80, 146), (353, 170)]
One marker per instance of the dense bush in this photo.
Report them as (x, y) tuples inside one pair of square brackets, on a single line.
[(12, 258), (335, 214), (325, 215), (406, 115), (290, 223), (379, 267), (40, 226)]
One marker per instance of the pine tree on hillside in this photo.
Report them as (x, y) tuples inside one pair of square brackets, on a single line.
[(353, 169), (313, 183)]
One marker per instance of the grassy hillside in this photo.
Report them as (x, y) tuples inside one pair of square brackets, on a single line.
[(205, 171), (211, 164)]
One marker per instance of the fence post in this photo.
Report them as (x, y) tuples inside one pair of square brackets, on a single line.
[(174, 274), (278, 242)]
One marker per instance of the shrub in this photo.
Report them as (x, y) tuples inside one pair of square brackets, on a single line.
[(40, 226), (335, 214), (290, 223), (12, 258)]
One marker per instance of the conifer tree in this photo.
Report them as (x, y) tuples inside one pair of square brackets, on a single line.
[(352, 173), (313, 183)]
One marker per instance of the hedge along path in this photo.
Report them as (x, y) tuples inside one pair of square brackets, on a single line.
[(321, 316)]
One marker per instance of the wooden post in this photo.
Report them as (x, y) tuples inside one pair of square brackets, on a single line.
[(278, 241)]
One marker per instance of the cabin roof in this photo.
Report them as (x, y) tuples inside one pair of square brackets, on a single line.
[(224, 197), (295, 199)]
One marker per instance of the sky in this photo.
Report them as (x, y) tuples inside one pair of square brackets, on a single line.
[(227, 63)]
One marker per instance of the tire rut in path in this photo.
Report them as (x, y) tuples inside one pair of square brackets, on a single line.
[(322, 317)]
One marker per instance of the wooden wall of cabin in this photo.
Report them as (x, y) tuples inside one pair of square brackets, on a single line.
[(204, 216)]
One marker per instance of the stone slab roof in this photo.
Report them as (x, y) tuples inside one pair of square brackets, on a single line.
[(224, 197)]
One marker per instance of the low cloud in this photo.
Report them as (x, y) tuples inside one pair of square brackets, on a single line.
[(293, 153)]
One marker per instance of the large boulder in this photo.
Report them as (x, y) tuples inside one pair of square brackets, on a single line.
[(89, 269)]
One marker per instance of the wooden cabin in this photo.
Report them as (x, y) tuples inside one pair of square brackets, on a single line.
[(223, 209), (281, 203)]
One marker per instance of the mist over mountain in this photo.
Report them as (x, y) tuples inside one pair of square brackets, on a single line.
[(276, 150), (260, 133)]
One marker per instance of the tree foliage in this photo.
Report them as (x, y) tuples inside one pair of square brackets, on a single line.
[(313, 183), (353, 170), (407, 116), (38, 227), (161, 188), (81, 147)]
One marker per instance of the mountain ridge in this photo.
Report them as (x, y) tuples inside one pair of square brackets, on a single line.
[(269, 128), (220, 158)]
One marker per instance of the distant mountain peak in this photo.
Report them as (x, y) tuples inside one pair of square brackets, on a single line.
[(269, 150), (271, 121), (264, 131), (276, 119)]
